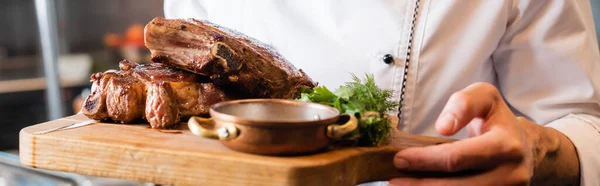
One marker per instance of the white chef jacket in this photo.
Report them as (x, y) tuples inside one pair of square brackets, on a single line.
[(541, 54)]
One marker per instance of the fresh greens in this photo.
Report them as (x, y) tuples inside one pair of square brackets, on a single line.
[(365, 100)]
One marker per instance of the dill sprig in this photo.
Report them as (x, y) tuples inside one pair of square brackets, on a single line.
[(359, 97)]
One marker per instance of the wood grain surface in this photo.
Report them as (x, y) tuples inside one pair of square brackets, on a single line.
[(136, 152)]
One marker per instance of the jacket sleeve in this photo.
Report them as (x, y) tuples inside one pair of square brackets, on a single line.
[(548, 69)]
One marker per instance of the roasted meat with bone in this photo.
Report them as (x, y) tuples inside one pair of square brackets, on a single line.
[(229, 58), (160, 94)]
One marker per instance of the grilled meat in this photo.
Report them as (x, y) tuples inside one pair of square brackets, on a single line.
[(229, 58), (217, 62), (155, 92)]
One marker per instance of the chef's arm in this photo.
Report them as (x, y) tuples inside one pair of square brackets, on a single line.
[(554, 157), (547, 64), (572, 156)]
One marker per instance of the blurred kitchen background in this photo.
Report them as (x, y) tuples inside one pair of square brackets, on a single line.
[(92, 36)]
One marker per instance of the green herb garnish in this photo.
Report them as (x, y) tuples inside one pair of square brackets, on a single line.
[(365, 100)]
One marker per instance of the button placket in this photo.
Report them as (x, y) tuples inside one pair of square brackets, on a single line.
[(407, 65)]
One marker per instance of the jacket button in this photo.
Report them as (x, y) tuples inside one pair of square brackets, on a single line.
[(388, 59)]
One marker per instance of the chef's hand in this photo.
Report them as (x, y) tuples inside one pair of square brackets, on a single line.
[(502, 149)]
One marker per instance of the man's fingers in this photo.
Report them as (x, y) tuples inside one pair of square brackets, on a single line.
[(475, 101), (479, 153)]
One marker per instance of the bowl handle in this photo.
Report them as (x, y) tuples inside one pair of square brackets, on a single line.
[(335, 131), (224, 133)]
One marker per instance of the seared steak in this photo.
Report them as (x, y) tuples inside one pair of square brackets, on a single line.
[(229, 58), (155, 92)]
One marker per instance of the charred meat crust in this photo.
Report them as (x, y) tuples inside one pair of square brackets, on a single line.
[(159, 94), (197, 65), (161, 107), (228, 57)]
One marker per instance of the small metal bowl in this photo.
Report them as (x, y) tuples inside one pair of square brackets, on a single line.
[(272, 126)]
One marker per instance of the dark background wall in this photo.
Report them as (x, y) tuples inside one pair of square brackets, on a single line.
[(596, 12), (82, 25)]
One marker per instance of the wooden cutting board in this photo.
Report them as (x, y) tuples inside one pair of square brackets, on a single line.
[(136, 152)]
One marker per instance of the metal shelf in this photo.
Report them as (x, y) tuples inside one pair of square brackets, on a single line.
[(31, 84)]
